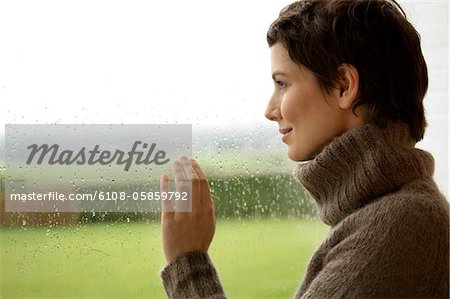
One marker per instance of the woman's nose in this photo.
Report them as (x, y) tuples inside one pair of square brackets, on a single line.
[(273, 110)]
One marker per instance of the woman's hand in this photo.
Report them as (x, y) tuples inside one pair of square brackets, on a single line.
[(187, 231)]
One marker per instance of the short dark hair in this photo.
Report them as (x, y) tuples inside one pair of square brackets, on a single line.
[(372, 35)]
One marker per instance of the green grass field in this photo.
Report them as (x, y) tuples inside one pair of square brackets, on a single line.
[(255, 259)]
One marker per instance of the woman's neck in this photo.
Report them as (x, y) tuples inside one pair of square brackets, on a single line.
[(364, 163)]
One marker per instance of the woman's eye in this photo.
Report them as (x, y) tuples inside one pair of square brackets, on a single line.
[(280, 84)]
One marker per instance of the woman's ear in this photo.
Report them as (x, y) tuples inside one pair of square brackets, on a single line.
[(348, 86)]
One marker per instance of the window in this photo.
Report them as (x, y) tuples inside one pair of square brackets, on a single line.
[(199, 62)]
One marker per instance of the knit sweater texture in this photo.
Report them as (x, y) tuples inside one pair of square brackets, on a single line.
[(389, 224)]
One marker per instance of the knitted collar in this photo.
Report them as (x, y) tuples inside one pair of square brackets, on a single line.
[(363, 163)]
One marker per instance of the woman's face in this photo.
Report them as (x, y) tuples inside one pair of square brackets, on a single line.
[(308, 118)]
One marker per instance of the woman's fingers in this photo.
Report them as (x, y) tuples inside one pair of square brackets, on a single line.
[(183, 186), (189, 178), (187, 167), (166, 205), (178, 175), (188, 231), (197, 196), (203, 182)]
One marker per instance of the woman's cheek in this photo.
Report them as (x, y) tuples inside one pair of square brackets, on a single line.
[(289, 109)]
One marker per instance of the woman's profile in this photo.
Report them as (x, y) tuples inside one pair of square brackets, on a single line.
[(349, 81)]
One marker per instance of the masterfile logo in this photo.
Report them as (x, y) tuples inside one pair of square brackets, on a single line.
[(95, 156), (115, 168)]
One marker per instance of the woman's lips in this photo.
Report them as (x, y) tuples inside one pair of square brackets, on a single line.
[(285, 133), (285, 130)]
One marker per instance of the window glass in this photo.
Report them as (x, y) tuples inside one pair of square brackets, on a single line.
[(205, 63)]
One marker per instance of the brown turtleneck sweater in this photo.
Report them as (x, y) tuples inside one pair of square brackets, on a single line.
[(389, 224)]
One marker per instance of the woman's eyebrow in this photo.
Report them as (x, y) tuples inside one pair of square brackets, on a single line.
[(278, 73)]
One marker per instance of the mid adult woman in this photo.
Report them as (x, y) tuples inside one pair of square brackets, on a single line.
[(349, 79)]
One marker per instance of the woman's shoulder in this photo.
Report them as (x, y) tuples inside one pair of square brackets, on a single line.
[(399, 241), (418, 200), (416, 210)]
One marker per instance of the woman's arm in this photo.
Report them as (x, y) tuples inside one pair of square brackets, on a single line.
[(187, 236), (192, 275)]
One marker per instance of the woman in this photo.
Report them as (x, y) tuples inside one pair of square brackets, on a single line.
[(349, 79)]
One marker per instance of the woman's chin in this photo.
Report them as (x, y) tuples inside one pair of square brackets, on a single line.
[(298, 156), (295, 156)]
